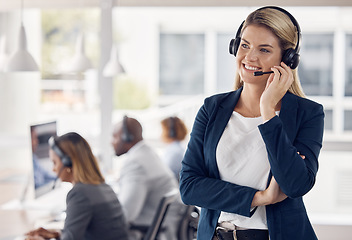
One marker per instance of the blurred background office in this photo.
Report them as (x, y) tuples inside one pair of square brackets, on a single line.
[(170, 55)]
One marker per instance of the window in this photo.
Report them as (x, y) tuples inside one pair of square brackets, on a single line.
[(328, 119), (348, 84), (181, 64), (315, 68), (226, 64), (348, 120)]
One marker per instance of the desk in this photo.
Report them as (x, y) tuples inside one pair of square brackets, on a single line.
[(15, 222), (11, 186)]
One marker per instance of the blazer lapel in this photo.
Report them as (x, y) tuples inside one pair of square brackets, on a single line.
[(221, 118)]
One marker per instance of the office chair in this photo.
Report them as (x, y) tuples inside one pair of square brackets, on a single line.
[(152, 231), (188, 226)]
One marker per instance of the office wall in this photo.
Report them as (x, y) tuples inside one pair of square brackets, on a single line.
[(19, 102)]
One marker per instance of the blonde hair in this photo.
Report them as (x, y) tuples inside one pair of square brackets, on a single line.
[(176, 125), (85, 167), (282, 27)]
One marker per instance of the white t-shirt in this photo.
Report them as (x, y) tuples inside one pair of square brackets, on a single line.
[(242, 159)]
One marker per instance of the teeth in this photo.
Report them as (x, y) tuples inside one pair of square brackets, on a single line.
[(251, 68)]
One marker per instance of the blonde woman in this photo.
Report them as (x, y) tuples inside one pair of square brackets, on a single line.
[(253, 152)]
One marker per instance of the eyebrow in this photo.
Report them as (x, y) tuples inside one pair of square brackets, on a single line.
[(261, 45)]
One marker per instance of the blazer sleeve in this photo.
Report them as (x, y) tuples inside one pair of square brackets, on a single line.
[(295, 175), (199, 184)]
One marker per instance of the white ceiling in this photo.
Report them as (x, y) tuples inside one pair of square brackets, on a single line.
[(15, 4)]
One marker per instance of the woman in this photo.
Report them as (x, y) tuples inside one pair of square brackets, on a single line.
[(253, 152), (93, 210), (173, 133)]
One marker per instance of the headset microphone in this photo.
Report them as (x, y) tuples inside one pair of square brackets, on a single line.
[(57, 176), (259, 73), (65, 159)]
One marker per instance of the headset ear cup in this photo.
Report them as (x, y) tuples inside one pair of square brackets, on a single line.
[(231, 49), (291, 58), (66, 161), (172, 127), (234, 44), (295, 61), (126, 135)]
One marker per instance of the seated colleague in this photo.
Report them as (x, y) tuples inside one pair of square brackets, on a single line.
[(173, 132), (144, 179), (93, 210)]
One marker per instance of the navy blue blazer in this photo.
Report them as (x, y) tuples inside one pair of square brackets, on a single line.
[(298, 128)]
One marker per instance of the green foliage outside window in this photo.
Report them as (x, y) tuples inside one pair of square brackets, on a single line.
[(129, 94)]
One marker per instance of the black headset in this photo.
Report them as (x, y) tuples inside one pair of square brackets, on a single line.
[(172, 127), (126, 135), (65, 159), (290, 57)]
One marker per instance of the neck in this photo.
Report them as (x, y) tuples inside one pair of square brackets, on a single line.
[(252, 93), (249, 103)]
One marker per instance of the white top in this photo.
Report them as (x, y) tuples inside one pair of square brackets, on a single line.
[(242, 159)]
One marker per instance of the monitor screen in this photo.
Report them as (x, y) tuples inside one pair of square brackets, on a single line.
[(43, 175)]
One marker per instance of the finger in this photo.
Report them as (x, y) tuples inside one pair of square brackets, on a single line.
[(288, 70), (302, 156), (269, 81), (286, 77), (276, 74), (285, 66)]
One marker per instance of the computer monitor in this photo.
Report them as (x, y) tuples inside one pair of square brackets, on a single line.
[(43, 175)]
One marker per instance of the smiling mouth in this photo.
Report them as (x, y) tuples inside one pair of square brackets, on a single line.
[(251, 68)]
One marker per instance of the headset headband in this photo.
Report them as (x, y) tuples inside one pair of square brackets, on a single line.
[(65, 159), (293, 20), (290, 56)]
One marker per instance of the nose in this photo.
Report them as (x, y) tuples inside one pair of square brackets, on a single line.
[(251, 55)]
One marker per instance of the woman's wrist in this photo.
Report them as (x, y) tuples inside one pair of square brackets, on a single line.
[(267, 113), (259, 199)]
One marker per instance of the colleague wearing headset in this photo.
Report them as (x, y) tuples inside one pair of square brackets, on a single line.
[(173, 133), (253, 152), (144, 179), (93, 210)]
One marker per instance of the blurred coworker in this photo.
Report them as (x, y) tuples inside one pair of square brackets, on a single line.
[(144, 178), (93, 210), (173, 132), (41, 175)]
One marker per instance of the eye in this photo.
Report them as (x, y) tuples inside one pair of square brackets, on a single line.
[(244, 45), (264, 50)]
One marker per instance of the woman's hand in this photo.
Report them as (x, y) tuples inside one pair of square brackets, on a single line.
[(271, 195), (277, 85), (274, 193), (42, 233), (34, 238)]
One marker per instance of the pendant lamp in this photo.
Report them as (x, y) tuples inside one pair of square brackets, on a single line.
[(3, 53), (113, 67), (80, 62), (21, 59)]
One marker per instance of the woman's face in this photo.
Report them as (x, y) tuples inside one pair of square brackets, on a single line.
[(259, 50), (59, 168)]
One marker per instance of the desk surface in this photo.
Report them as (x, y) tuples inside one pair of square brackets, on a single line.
[(15, 222)]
